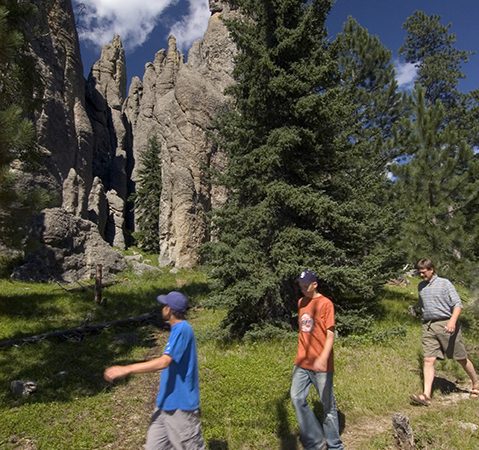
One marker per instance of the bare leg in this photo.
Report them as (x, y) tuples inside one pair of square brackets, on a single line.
[(471, 372), (429, 373)]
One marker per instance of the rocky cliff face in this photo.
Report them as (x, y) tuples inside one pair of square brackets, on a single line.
[(69, 139), (92, 133), (64, 130), (105, 94), (177, 102), (80, 126)]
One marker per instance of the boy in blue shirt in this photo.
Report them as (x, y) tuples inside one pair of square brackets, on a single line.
[(175, 423)]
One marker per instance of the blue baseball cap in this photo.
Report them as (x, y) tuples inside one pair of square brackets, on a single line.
[(175, 300), (307, 277)]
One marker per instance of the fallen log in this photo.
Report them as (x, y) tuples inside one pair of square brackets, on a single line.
[(79, 332)]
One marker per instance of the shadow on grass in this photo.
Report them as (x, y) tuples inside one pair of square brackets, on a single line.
[(288, 439), (445, 386), (34, 304), (215, 444), (60, 310), (68, 370), (73, 368)]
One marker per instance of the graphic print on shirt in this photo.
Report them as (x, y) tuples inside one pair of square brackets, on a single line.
[(307, 323)]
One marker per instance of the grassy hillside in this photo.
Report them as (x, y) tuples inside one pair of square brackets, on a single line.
[(244, 387)]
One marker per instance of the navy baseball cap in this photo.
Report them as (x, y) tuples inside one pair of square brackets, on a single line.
[(307, 277), (175, 300)]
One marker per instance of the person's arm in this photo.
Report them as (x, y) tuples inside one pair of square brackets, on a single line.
[(153, 365), (455, 302), (451, 324), (321, 362)]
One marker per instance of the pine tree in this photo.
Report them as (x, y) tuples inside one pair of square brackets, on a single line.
[(16, 132), (295, 198), (147, 197), (438, 188), (368, 73), (368, 80), (430, 46)]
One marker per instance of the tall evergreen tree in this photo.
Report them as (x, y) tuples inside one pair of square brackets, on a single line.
[(368, 80), (438, 189), (294, 191), (435, 188), (16, 132), (147, 197), (368, 74), (430, 46)]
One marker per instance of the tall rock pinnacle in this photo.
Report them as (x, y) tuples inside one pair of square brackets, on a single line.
[(177, 102)]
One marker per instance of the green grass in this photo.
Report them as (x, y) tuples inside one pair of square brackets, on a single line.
[(244, 386)]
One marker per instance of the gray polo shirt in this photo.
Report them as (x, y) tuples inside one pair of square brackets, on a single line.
[(437, 298)]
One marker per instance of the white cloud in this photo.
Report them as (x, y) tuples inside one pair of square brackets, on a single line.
[(406, 74), (192, 26), (100, 20)]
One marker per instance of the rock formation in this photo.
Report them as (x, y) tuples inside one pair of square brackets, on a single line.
[(65, 247), (105, 94), (72, 154), (63, 128), (81, 128), (177, 102), (92, 135)]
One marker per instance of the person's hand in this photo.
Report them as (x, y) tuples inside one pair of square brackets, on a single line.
[(320, 364), (112, 373), (450, 327)]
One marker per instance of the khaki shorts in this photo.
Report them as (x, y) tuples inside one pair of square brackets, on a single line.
[(439, 344), (173, 430)]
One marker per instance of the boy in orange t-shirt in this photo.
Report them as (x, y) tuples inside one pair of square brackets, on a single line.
[(314, 365)]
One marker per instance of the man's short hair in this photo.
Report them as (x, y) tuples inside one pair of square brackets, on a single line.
[(425, 263)]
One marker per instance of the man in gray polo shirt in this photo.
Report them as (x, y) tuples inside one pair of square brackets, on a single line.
[(441, 334)]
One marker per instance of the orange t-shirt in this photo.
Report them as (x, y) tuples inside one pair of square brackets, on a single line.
[(315, 316)]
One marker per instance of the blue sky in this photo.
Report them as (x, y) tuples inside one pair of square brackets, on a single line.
[(144, 27)]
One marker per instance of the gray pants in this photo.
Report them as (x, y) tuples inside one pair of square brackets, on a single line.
[(178, 430)]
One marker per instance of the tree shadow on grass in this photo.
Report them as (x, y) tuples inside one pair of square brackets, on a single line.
[(216, 444), (68, 370), (58, 310)]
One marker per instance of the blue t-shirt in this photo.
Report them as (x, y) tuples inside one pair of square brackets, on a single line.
[(179, 382)]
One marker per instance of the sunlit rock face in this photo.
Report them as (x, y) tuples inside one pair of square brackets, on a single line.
[(177, 102), (91, 133)]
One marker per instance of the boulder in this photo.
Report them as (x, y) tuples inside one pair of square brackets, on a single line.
[(21, 388), (64, 247)]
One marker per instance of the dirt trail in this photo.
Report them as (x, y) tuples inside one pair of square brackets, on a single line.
[(134, 403), (358, 435)]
